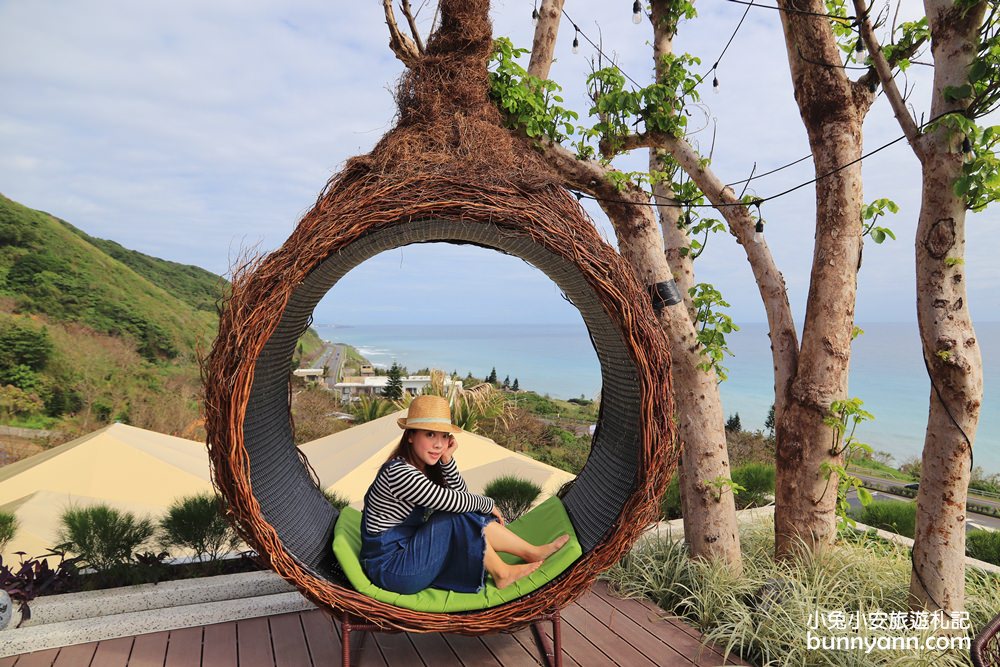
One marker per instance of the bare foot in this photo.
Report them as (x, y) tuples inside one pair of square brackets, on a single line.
[(515, 572), (546, 550)]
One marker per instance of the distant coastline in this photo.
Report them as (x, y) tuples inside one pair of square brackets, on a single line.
[(886, 371)]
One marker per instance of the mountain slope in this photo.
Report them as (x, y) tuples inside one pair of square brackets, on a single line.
[(50, 268)]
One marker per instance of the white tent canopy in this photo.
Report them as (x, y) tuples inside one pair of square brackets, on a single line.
[(143, 472)]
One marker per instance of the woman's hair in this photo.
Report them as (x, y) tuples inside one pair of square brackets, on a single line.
[(404, 450)]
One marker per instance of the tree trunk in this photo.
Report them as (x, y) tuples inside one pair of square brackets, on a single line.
[(832, 111), (710, 527), (948, 339)]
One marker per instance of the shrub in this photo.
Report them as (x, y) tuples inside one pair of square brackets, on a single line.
[(198, 523), (513, 495), (670, 504), (8, 526), (33, 577), (103, 537), (893, 515), (336, 499), (983, 545), (369, 409), (757, 479)]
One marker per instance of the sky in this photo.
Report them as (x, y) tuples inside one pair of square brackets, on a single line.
[(196, 131)]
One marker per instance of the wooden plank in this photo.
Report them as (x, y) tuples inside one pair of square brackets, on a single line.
[(321, 638), (80, 655), (508, 651), (39, 658), (149, 650), (113, 652), (253, 643), (526, 638), (434, 650), (289, 641), (184, 647), (219, 645), (577, 647), (655, 647), (471, 651), (9, 661), (679, 635), (620, 652), (396, 648), (364, 649)]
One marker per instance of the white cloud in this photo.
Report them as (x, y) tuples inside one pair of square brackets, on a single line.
[(186, 130)]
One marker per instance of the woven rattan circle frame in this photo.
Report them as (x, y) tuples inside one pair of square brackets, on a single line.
[(256, 467)]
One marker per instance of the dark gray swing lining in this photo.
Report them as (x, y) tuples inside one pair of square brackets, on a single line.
[(297, 510)]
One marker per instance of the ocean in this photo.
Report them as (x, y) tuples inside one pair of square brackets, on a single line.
[(887, 371)]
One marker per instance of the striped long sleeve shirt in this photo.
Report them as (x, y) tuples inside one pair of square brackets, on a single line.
[(400, 487)]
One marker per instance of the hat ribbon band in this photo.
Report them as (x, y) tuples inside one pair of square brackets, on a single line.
[(427, 420)]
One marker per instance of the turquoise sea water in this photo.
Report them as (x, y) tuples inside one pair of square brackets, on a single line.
[(887, 372)]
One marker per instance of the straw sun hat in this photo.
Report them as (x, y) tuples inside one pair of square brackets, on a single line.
[(429, 413)]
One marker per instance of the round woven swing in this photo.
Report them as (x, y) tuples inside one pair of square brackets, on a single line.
[(448, 172)]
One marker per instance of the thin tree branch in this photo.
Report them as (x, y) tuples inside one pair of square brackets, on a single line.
[(884, 71), (412, 22), (406, 49), (543, 46)]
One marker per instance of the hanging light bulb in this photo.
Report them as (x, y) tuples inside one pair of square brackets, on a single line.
[(636, 12), (576, 44), (758, 232), (715, 85), (967, 154), (534, 16), (860, 51)]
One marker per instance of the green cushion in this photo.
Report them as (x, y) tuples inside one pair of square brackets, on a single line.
[(539, 526)]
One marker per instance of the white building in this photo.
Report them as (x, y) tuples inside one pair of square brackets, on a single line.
[(373, 385)]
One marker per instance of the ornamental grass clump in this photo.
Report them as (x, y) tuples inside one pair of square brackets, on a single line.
[(197, 523), (757, 480), (103, 537), (897, 516), (8, 527), (765, 614), (513, 495), (338, 500)]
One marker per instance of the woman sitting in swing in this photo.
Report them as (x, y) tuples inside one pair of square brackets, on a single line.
[(422, 528)]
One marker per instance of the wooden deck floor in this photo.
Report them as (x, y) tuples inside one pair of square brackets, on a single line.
[(598, 630)]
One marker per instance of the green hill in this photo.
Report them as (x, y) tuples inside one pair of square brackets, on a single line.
[(92, 332), (50, 268)]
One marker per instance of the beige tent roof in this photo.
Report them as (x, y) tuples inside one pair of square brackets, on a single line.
[(347, 462), (143, 472), (122, 466)]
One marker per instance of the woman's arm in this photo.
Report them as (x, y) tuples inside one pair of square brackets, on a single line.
[(409, 484), (452, 476)]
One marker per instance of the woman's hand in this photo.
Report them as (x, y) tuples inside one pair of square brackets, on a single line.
[(499, 515), (449, 450)]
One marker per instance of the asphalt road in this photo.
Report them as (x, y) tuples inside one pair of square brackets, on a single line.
[(972, 522), (332, 357)]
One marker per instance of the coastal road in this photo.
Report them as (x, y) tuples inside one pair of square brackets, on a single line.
[(879, 481), (332, 357), (972, 522)]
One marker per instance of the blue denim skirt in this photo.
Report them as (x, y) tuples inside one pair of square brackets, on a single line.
[(428, 550)]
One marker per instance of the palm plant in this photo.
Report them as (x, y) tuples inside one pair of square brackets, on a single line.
[(102, 536), (470, 406), (370, 408), (8, 526), (513, 495), (198, 523), (338, 500)]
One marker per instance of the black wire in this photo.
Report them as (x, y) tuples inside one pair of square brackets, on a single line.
[(598, 49), (795, 11), (768, 173)]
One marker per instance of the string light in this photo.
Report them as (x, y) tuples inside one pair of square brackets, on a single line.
[(636, 12), (967, 154), (576, 39), (860, 51), (534, 16), (715, 84), (758, 229)]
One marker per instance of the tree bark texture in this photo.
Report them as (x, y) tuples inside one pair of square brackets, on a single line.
[(832, 110), (948, 339), (710, 527)]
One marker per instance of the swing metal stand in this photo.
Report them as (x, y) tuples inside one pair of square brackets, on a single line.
[(551, 651)]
